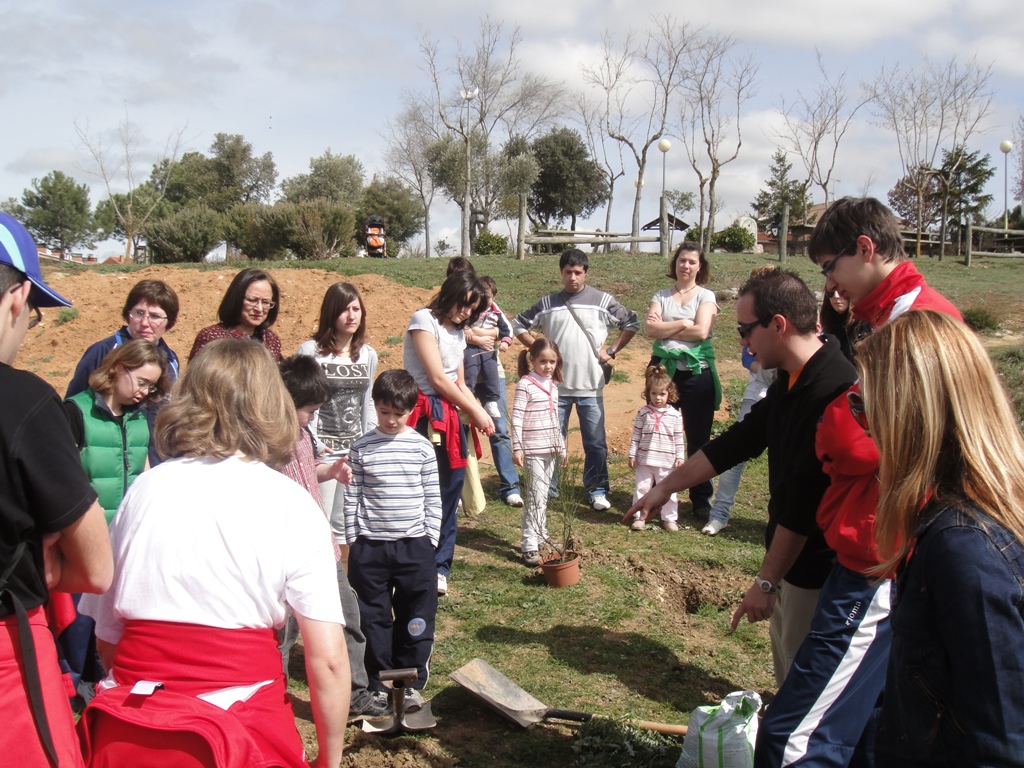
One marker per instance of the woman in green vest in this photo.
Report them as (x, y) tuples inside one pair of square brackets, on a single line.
[(108, 423), (112, 434)]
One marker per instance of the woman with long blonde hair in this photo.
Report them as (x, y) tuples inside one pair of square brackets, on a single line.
[(950, 523)]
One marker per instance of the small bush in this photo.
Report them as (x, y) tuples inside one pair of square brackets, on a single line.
[(66, 315), (980, 319), (734, 239), (490, 244)]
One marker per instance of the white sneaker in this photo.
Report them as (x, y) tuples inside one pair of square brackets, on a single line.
[(492, 410), (600, 503), (637, 525), (442, 584), (514, 500), (713, 527)]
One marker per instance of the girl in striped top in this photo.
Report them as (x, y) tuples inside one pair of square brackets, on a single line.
[(657, 445), (537, 441)]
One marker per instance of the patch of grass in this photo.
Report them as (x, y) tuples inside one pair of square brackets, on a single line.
[(981, 319), (66, 315), (620, 376), (393, 341), (1009, 364)]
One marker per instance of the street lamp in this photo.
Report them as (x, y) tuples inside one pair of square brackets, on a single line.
[(664, 146), (1006, 147), (467, 96)]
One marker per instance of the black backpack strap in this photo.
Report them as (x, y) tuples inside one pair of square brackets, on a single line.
[(28, 655)]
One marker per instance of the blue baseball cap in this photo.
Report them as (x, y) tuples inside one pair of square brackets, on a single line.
[(18, 249)]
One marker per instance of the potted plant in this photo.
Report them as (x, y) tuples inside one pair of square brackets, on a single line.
[(562, 564)]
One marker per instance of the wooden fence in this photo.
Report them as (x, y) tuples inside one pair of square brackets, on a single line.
[(1008, 242)]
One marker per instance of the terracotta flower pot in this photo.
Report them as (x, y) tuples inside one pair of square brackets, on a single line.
[(562, 573)]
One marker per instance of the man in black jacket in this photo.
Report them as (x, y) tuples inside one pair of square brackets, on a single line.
[(777, 319)]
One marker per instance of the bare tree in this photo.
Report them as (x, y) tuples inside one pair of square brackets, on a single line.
[(816, 123), (937, 106), (134, 208), (638, 83), (1018, 170), (720, 83), (591, 118), (406, 141), (485, 91)]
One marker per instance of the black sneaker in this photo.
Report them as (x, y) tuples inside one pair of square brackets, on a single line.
[(378, 705)]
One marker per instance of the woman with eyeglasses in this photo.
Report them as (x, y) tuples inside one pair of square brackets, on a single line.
[(248, 309), (950, 524), (108, 422), (680, 319), (150, 311)]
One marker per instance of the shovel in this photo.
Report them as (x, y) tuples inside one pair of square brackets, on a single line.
[(508, 699), (400, 720)]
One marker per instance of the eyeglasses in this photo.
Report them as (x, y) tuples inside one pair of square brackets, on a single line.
[(140, 386), (265, 303), (36, 319), (138, 314), (745, 329), (858, 408), (828, 266)]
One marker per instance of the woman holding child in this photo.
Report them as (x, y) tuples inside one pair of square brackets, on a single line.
[(950, 524), (433, 350), (210, 549), (339, 345)]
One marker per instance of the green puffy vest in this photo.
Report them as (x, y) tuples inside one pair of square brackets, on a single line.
[(113, 453)]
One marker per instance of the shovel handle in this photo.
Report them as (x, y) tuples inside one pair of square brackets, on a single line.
[(567, 714), (674, 730)]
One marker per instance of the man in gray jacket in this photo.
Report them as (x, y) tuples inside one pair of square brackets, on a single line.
[(578, 319)]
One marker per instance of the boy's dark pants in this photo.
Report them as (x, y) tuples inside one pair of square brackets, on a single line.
[(476, 360), (396, 582)]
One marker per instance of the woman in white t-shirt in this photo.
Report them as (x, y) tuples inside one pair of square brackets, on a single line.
[(681, 319), (351, 366), (432, 352), (210, 548)]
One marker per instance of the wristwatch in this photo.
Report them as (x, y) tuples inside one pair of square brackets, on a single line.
[(610, 352), (765, 586)]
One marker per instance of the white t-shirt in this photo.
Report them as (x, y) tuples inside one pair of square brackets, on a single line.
[(451, 345), (349, 412), (221, 544), (671, 311)]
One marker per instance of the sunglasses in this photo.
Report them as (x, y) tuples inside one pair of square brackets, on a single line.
[(745, 329), (828, 266), (36, 319), (858, 409)]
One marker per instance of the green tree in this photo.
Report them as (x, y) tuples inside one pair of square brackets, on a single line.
[(232, 174), (58, 214), (569, 183), (397, 203), (780, 189), (962, 179), (187, 236), (734, 239), (123, 215), (262, 232), (321, 229), (338, 178), (903, 199)]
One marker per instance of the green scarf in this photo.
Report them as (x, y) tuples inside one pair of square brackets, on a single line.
[(691, 358)]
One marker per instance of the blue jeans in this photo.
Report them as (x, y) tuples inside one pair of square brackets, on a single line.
[(729, 481), (590, 411), (501, 449)]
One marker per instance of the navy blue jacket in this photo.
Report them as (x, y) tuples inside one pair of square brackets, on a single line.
[(954, 691)]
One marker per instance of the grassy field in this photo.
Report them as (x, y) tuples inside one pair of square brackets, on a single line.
[(645, 633)]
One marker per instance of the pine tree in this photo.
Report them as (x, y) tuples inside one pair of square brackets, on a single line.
[(781, 189)]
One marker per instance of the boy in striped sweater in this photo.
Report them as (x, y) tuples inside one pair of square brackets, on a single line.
[(392, 524), (657, 445)]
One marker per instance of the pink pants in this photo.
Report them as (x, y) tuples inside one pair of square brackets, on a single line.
[(646, 477)]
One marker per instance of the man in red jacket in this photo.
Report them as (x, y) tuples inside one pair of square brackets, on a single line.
[(825, 708)]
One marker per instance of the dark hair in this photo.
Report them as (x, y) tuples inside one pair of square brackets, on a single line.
[(453, 294), (153, 292), (11, 276), (336, 300), (573, 257), (492, 287), (396, 388), (540, 345), (459, 264), (779, 292), (688, 246), (850, 217), (657, 376), (832, 321), (305, 381), (230, 309)]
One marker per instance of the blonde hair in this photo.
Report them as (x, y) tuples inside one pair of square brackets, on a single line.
[(130, 356), (657, 376), (231, 399), (943, 426)]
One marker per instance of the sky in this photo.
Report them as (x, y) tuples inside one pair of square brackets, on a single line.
[(296, 78)]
